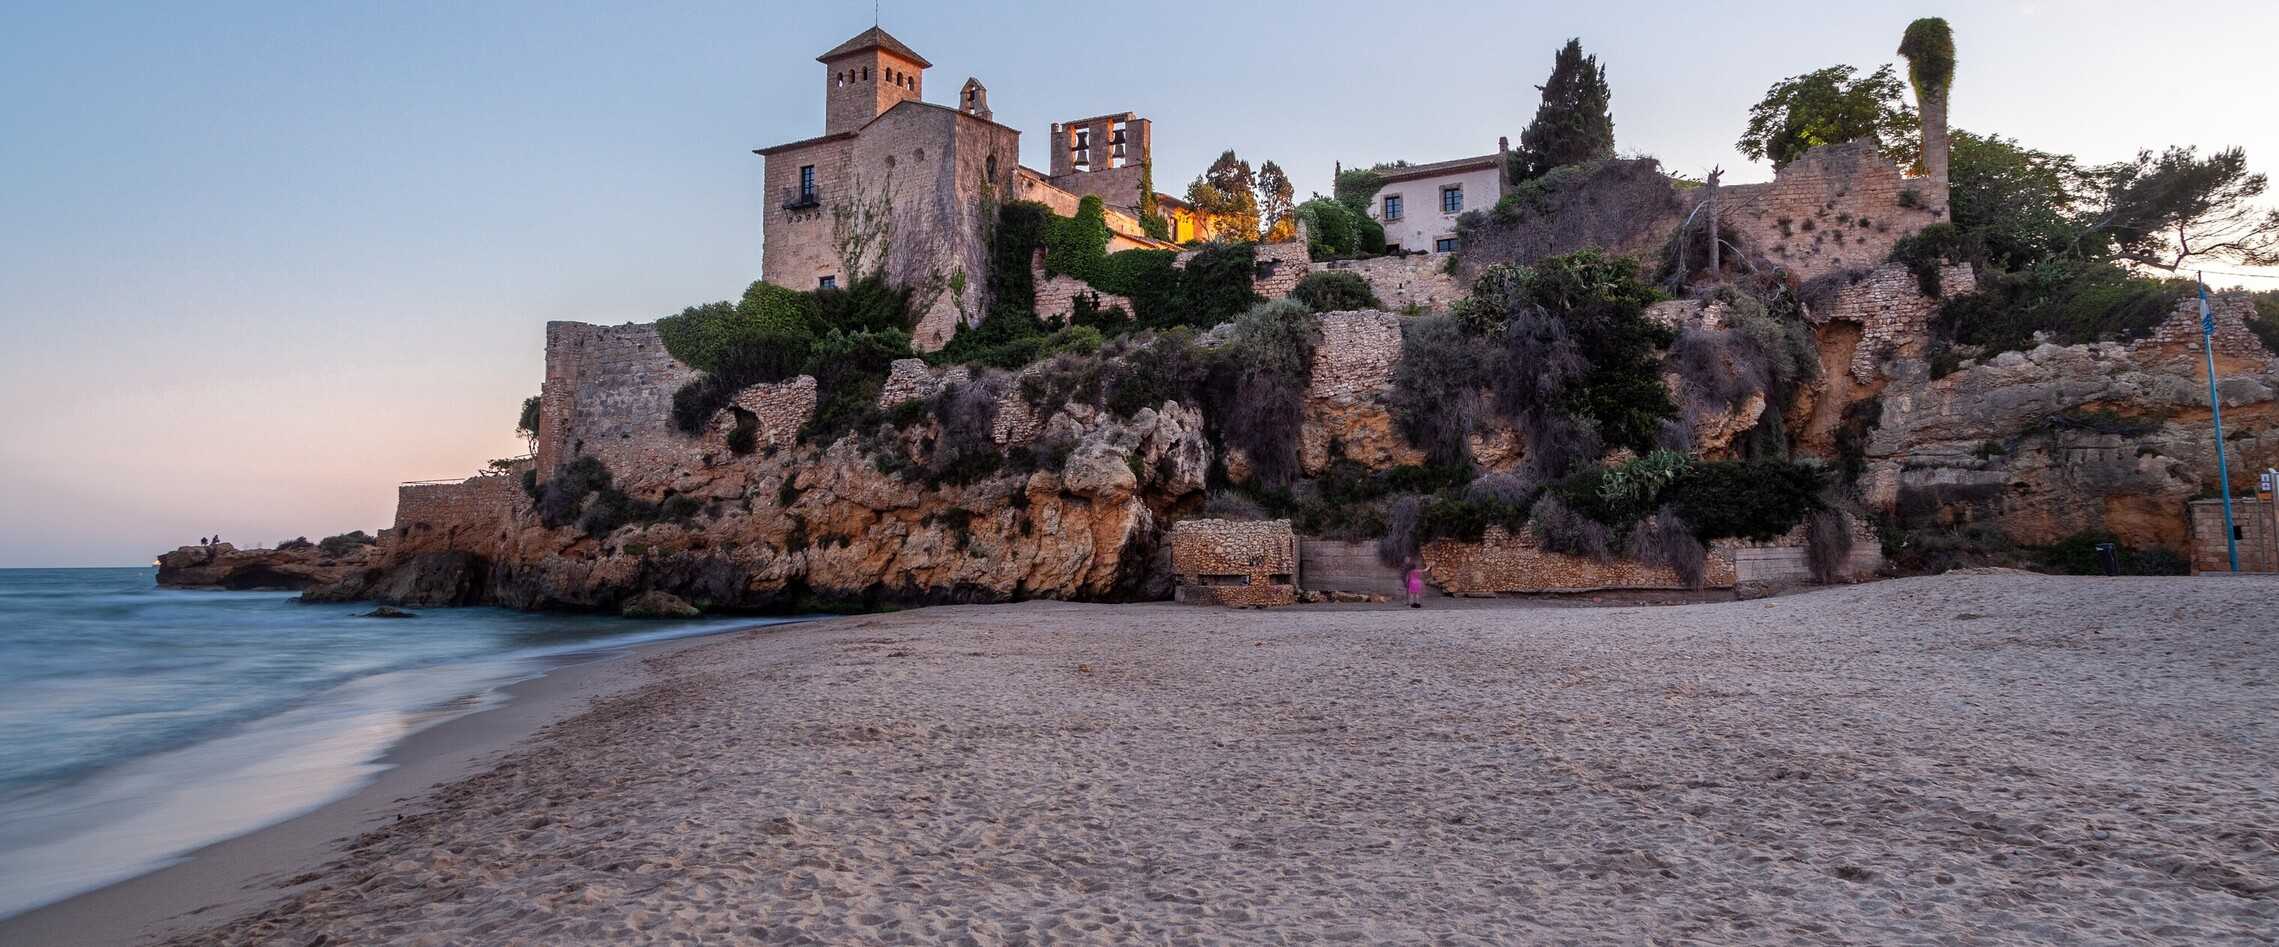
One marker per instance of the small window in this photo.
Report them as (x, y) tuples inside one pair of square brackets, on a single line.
[(828, 282), (1392, 207), (806, 179), (866, 73), (1444, 245), (1451, 199)]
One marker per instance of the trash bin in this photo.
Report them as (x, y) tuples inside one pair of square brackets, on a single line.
[(2109, 556)]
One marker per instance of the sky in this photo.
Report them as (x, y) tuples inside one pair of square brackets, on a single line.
[(259, 262)]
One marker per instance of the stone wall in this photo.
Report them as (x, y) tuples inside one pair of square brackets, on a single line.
[(1280, 267), (1786, 561), (475, 515), (1893, 313), (1239, 564), (1352, 371), (1056, 295), (1334, 566), (2234, 339), (1836, 207), (781, 409), (2258, 536), (609, 393), (1503, 563), (1419, 280)]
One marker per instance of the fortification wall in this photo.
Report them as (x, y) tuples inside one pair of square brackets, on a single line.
[(475, 515), (1838, 206), (609, 394), (1400, 282), (2232, 310)]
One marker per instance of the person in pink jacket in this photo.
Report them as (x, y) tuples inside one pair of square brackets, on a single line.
[(1416, 573)]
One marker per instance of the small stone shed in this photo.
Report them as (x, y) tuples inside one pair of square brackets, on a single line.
[(1235, 564), (2255, 522)]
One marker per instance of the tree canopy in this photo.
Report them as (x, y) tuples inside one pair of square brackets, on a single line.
[(1573, 123), (1830, 106), (1226, 195), (2165, 210)]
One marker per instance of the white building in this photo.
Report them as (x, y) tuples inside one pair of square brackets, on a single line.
[(1419, 203)]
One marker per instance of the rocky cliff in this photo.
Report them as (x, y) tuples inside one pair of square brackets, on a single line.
[(225, 566)]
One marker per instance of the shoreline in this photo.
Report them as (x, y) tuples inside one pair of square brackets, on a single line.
[(208, 884)]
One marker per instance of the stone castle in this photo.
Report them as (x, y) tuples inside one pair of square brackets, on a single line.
[(936, 170), (1117, 513)]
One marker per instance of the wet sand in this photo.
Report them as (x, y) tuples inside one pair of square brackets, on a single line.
[(1985, 759)]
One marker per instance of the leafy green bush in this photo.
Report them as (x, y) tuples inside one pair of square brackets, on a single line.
[(850, 370), (1755, 500), (1436, 387), (1021, 227), (1005, 338), (869, 304), (1166, 367), (1331, 226), (1335, 291), (2265, 324), (769, 317), (1925, 251), (1216, 284), (1077, 245), (2072, 301), (527, 426)]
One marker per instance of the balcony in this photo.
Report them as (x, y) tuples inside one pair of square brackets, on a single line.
[(802, 198)]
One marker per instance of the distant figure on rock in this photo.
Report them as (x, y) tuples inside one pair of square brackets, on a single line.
[(1416, 574)]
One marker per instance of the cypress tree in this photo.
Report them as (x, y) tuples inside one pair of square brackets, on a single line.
[(1573, 124)]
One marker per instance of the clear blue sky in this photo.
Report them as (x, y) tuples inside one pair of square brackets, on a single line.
[(261, 261)]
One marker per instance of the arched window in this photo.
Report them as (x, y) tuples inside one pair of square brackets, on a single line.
[(866, 73), (990, 168)]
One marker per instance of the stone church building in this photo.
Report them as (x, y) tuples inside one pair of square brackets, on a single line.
[(937, 171)]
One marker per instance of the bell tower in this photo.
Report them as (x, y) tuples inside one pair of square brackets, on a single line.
[(867, 75)]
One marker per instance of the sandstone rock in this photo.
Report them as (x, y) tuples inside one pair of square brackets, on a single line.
[(225, 566), (659, 605)]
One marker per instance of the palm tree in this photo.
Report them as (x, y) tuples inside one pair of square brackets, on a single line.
[(1930, 50)]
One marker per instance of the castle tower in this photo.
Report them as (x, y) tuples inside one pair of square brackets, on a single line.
[(867, 75), (974, 99)]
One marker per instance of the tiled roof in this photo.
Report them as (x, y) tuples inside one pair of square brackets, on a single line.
[(875, 38), (1437, 168)]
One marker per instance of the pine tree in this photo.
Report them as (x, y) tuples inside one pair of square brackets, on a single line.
[(1573, 124)]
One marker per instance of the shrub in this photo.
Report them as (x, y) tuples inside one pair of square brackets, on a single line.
[(1012, 246), (1331, 226), (768, 317), (2265, 323), (1335, 291), (344, 543), (527, 426), (1486, 311), (1585, 308), (1369, 235), (1641, 481), (560, 496), (298, 542), (1166, 367), (1561, 529), (1077, 245), (850, 369), (2068, 300), (1005, 338), (1664, 539), (1827, 545), (1436, 387), (1613, 204), (1932, 247), (1930, 550), (1265, 367), (869, 304), (1066, 379), (1216, 284), (966, 449), (1859, 422), (1756, 500)]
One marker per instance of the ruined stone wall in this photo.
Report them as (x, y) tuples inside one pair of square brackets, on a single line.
[(2232, 310), (1351, 373), (608, 393), (781, 410), (475, 515), (1280, 267), (1056, 295), (1838, 206), (1417, 280), (1894, 315), (1504, 563), (1224, 562)]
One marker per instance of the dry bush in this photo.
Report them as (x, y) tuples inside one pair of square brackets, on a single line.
[(1503, 488), (1399, 544), (965, 449), (1618, 204), (1827, 544), (1261, 386), (1558, 528), (1665, 540)]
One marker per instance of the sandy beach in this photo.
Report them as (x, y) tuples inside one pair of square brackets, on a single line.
[(1990, 758)]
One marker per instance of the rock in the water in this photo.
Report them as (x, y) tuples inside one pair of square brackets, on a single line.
[(387, 611), (660, 605)]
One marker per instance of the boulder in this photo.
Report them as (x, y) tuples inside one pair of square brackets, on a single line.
[(387, 611), (660, 605)]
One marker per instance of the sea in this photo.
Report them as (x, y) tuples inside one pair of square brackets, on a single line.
[(139, 723)]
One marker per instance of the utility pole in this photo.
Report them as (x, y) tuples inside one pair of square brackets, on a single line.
[(1715, 270), (2216, 411)]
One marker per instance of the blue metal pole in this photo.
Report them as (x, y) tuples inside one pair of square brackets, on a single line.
[(2216, 410)]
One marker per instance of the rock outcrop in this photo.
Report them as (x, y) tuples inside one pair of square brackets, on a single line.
[(225, 566)]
